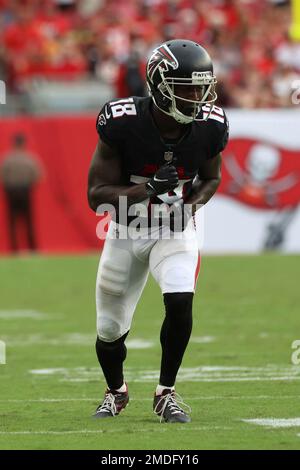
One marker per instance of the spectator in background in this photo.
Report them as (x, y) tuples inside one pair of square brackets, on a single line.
[(80, 39), (19, 172), (130, 77)]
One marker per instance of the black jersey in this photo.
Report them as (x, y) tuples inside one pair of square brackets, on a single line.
[(127, 125)]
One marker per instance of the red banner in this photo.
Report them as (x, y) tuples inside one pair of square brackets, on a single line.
[(64, 145)]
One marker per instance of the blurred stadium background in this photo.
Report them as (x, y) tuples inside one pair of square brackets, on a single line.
[(60, 61)]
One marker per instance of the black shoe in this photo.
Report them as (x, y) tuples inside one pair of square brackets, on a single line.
[(114, 402), (166, 406)]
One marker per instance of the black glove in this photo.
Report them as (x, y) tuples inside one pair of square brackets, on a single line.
[(164, 180)]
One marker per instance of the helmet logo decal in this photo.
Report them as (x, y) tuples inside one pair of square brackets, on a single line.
[(161, 57)]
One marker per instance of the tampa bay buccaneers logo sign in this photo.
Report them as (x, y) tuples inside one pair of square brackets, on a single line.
[(261, 174), (162, 58)]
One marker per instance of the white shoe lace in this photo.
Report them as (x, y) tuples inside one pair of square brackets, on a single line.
[(172, 400), (108, 404)]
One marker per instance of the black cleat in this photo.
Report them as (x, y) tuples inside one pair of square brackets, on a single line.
[(113, 403), (166, 406)]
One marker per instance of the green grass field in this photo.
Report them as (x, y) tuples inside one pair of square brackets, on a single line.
[(237, 367)]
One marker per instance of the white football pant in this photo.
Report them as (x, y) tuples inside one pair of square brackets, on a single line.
[(124, 267)]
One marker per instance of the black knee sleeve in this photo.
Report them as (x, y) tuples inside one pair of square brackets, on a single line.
[(179, 306)]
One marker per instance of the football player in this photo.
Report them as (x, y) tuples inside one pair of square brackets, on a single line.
[(164, 148)]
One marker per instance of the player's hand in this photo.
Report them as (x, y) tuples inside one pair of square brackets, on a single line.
[(165, 179)]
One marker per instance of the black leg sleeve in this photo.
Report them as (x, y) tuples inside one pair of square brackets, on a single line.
[(111, 357), (175, 334)]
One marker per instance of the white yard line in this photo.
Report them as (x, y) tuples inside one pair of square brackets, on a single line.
[(19, 314), (100, 431), (197, 398), (83, 431), (192, 379), (68, 339), (275, 422), (191, 374), (203, 339)]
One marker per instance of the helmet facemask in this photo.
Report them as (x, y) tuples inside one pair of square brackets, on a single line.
[(176, 96), (188, 95)]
